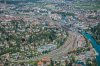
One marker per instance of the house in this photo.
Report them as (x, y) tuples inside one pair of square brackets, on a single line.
[(40, 63), (46, 61), (1, 64), (81, 41)]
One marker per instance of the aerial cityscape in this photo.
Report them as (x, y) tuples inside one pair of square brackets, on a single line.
[(49, 32)]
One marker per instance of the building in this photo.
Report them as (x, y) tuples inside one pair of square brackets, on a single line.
[(40, 63), (44, 62), (1, 64)]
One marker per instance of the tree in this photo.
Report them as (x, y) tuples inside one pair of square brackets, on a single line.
[(6, 63), (66, 63), (52, 62)]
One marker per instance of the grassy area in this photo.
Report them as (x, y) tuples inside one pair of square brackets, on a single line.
[(65, 14), (91, 5)]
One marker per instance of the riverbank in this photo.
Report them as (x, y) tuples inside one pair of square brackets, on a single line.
[(94, 44)]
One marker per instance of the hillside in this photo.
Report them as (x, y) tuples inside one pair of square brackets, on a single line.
[(96, 32)]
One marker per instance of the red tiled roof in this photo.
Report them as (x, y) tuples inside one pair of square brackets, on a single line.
[(46, 59)]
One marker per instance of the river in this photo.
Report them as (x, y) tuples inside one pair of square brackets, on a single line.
[(94, 44), (91, 39)]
